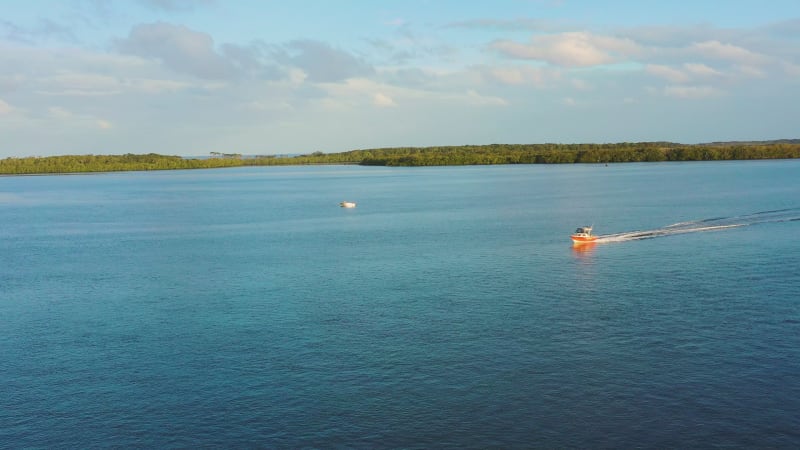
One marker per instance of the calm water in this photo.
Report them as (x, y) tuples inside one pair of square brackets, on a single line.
[(243, 307)]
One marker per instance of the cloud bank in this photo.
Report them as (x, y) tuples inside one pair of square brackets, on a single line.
[(172, 86)]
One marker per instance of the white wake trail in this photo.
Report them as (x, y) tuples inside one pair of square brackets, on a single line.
[(702, 225)]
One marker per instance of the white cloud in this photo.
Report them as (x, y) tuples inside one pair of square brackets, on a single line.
[(154, 86), (297, 76), (66, 116), (88, 85), (509, 76), (691, 92), (349, 96), (5, 108), (581, 85), (791, 69), (666, 72), (573, 49), (751, 71), (382, 100), (521, 75), (166, 83), (727, 52), (701, 70), (322, 62), (71, 83), (475, 98), (58, 112), (179, 48), (686, 73)]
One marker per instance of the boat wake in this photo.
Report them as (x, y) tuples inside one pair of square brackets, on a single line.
[(712, 224)]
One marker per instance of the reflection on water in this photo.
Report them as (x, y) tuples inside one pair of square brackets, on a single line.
[(584, 249)]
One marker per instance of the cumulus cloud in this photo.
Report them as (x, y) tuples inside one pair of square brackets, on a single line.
[(791, 69), (701, 70), (252, 61), (350, 95), (194, 53), (750, 72), (179, 48), (573, 49), (581, 85), (321, 62), (790, 27), (726, 52), (81, 84), (691, 92), (57, 112), (69, 117), (668, 73), (684, 73), (522, 75), (474, 98), (5, 108), (253, 85), (382, 100)]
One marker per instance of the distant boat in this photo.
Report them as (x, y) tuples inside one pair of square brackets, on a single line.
[(347, 204), (583, 235)]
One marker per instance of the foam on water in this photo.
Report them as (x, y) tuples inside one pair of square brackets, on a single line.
[(710, 224)]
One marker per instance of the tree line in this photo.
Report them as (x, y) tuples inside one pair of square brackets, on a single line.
[(130, 162), (420, 156), (576, 153)]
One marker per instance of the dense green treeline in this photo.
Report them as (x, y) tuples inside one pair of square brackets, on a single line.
[(420, 156), (575, 153), (128, 162), (105, 163)]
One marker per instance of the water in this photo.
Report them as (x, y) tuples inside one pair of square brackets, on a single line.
[(244, 308)]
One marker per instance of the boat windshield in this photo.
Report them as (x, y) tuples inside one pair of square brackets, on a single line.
[(580, 230)]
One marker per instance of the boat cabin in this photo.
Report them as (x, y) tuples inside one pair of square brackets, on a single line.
[(584, 230)]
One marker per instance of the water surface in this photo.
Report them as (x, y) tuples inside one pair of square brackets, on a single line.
[(243, 307)]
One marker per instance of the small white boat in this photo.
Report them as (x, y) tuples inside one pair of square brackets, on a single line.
[(347, 204)]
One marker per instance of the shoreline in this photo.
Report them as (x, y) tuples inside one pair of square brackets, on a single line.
[(467, 155), (604, 164)]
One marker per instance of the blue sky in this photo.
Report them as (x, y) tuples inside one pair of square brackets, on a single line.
[(188, 77)]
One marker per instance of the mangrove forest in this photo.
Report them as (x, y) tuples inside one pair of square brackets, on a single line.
[(421, 156)]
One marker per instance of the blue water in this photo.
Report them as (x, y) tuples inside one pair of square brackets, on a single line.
[(244, 308)]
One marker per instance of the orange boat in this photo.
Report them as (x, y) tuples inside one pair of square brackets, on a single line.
[(583, 235)]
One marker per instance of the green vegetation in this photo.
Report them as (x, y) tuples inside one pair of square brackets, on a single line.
[(151, 161), (422, 156), (576, 153)]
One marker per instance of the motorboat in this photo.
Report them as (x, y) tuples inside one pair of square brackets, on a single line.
[(347, 204), (583, 235)]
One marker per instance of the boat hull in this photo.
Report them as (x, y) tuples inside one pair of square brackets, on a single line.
[(583, 239)]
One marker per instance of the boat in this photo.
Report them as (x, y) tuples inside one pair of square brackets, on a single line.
[(583, 235), (347, 204)]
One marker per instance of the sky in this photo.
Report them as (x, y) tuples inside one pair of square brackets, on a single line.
[(190, 77)]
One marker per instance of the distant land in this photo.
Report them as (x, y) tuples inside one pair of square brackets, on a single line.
[(775, 141), (549, 153)]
